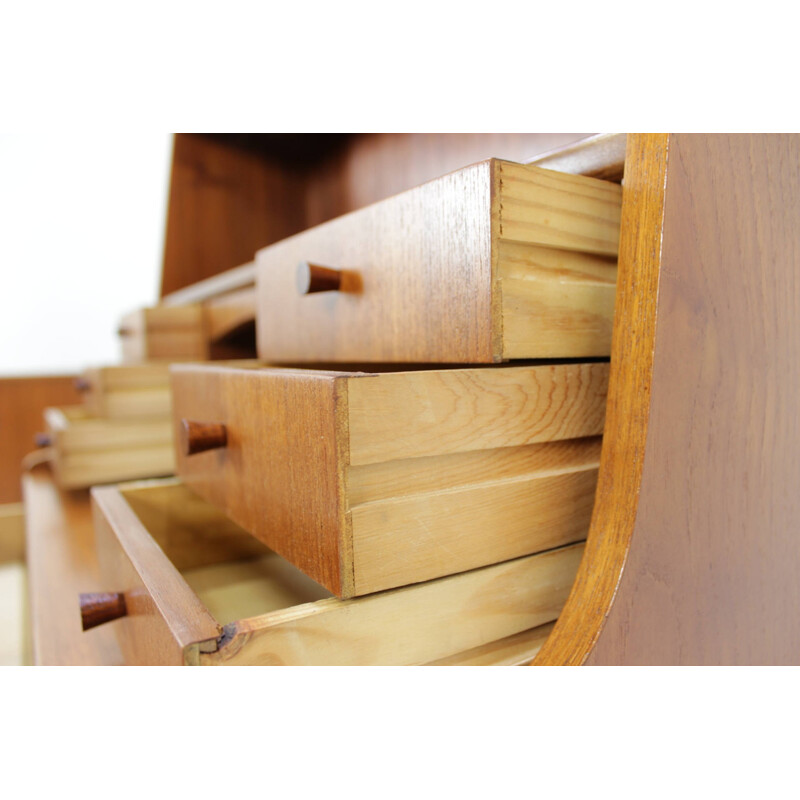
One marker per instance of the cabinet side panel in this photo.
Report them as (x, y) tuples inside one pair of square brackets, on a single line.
[(712, 574)]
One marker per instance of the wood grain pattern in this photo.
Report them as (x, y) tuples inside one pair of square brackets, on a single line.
[(62, 563), (280, 476), (128, 391), (89, 450), (555, 300), (462, 528), (224, 203), (191, 532), (372, 167), (581, 621), (424, 622), (513, 651), (600, 156), (413, 414), (429, 264), (22, 401), (297, 439), (441, 226), (711, 575), (553, 209), (165, 620)]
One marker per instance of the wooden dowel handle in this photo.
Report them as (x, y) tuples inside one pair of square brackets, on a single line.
[(197, 437), (313, 278), (98, 608), (43, 440), (123, 332), (82, 385)]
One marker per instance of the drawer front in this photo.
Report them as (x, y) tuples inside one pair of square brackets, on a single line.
[(368, 482), (279, 472), (438, 273), (165, 622)]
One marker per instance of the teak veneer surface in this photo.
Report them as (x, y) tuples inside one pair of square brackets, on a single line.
[(697, 495), (22, 401), (62, 563)]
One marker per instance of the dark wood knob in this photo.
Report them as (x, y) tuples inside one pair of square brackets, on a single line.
[(43, 440), (123, 332), (81, 384), (101, 607), (196, 437), (315, 278)]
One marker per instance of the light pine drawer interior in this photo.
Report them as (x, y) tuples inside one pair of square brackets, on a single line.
[(493, 262), (370, 481), (199, 590)]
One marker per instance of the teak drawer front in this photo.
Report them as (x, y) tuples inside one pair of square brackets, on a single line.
[(370, 481), (174, 558), (496, 261)]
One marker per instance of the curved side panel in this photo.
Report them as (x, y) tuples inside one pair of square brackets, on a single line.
[(588, 605), (712, 572)]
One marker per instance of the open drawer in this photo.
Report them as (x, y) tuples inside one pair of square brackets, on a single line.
[(88, 450), (371, 481), (187, 586), (493, 262)]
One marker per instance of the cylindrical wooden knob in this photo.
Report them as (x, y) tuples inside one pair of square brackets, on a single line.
[(122, 332), (315, 278), (101, 607), (43, 440), (81, 384), (196, 437)]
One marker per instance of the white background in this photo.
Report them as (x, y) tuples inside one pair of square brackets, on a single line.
[(82, 216)]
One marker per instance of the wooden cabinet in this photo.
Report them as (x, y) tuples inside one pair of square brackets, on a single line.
[(691, 555)]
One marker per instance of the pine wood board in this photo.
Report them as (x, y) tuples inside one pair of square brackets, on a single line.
[(513, 651), (413, 625), (127, 391), (91, 450), (413, 414)]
